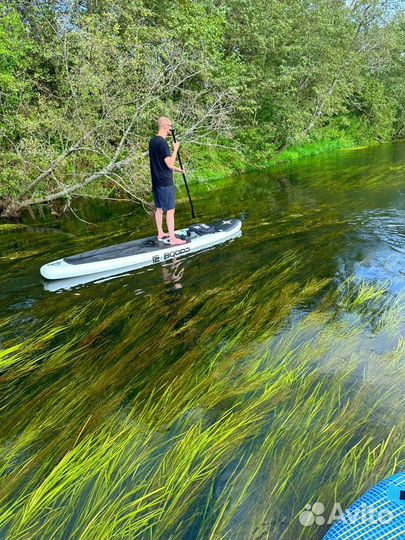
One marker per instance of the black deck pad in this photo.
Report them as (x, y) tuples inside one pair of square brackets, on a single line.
[(202, 229)]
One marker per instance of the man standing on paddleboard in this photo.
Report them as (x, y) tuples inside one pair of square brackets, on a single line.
[(162, 165)]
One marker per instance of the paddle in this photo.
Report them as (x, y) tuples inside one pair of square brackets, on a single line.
[(184, 174)]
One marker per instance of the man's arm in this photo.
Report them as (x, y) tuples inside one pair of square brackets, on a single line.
[(174, 168), (171, 160)]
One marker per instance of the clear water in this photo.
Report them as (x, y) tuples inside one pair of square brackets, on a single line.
[(340, 214), (333, 217)]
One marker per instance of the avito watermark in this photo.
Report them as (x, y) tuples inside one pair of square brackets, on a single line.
[(362, 514)]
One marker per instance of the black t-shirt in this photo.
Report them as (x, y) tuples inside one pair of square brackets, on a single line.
[(160, 172)]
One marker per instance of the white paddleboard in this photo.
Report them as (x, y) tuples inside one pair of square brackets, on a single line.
[(143, 252)]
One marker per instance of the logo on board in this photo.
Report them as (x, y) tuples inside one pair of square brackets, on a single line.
[(170, 255)]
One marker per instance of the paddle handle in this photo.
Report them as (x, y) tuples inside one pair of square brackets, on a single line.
[(185, 179)]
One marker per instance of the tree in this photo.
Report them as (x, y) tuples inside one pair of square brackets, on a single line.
[(83, 82), (115, 73)]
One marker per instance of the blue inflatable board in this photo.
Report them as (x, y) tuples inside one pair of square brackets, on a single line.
[(378, 515)]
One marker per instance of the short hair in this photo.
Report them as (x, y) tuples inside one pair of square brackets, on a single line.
[(162, 120)]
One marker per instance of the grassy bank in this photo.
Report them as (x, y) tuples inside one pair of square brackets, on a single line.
[(216, 163), (207, 164)]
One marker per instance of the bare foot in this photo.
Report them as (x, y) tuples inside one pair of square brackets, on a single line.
[(162, 236), (177, 241)]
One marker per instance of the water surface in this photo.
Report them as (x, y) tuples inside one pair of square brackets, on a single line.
[(231, 388)]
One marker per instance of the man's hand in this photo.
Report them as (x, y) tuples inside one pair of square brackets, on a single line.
[(171, 160)]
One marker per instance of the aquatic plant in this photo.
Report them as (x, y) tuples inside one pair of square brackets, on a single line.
[(212, 415)]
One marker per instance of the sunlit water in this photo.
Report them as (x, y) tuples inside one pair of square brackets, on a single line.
[(332, 218)]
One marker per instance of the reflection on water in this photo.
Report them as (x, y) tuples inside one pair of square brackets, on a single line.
[(173, 273), (219, 394)]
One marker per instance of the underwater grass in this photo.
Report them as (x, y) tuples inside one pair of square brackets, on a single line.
[(218, 415), (8, 227)]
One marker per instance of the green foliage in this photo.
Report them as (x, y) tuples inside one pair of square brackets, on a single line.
[(257, 77), (14, 47)]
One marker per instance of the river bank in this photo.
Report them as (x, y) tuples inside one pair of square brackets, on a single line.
[(223, 163), (221, 170), (210, 165)]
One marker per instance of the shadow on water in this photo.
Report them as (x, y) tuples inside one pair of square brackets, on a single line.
[(218, 395)]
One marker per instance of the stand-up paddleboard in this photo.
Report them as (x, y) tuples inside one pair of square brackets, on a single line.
[(144, 252), (379, 514)]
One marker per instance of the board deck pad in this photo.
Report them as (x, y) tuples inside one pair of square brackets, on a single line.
[(127, 249)]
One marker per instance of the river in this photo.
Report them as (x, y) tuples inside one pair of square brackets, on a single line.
[(218, 395)]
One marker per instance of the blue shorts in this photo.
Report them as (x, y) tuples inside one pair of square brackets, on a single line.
[(165, 197)]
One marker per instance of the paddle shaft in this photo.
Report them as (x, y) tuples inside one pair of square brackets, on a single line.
[(184, 178)]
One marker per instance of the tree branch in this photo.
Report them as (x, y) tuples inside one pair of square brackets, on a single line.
[(112, 166)]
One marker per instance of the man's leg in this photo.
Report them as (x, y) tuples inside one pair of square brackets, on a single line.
[(159, 223), (170, 225)]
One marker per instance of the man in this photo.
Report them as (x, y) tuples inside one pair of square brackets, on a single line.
[(162, 165)]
